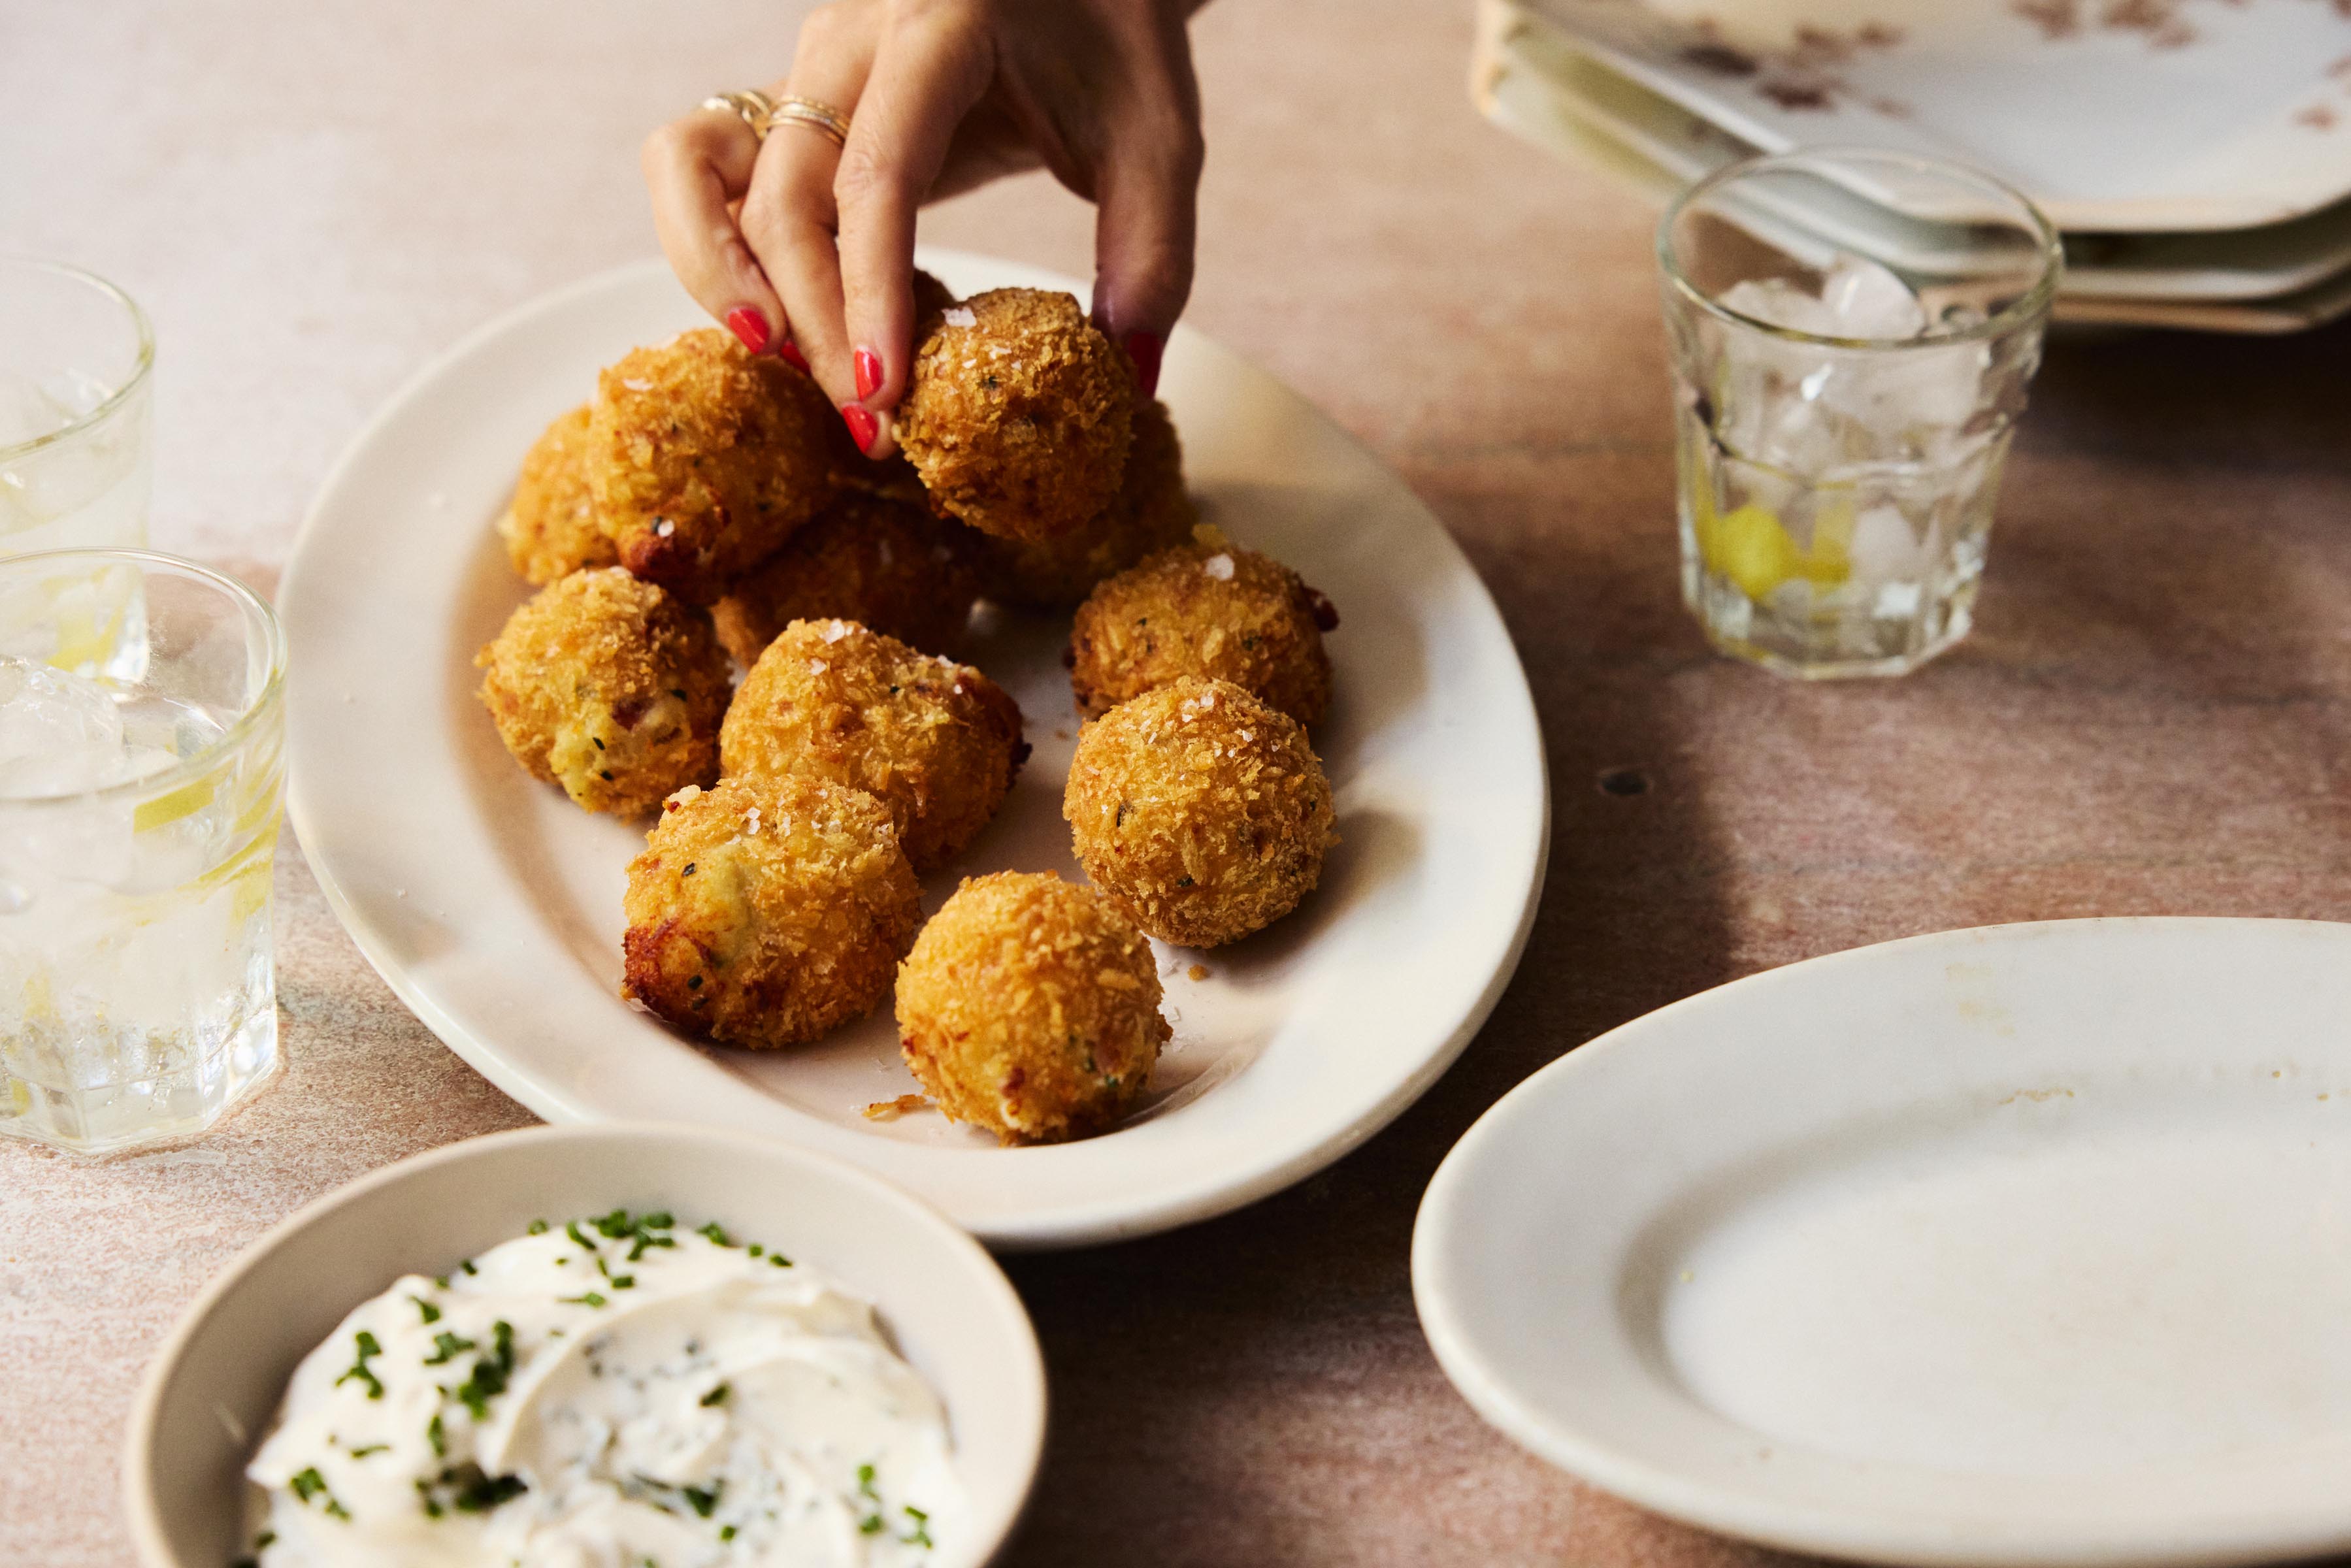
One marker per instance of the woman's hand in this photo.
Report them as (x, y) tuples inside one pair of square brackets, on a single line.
[(807, 250)]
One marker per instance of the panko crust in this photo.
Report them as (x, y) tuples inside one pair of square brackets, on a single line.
[(891, 565), (937, 742), (702, 459), (768, 913), (551, 530), (1201, 812), (1206, 609), (1030, 1007), (1020, 422), (608, 685), (1150, 513)]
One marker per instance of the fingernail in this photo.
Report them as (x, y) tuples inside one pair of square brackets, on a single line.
[(1144, 348), (869, 372), (791, 354), (862, 425), (750, 325)]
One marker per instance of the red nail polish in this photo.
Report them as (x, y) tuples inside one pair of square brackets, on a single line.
[(869, 372), (791, 354), (750, 325), (1144, 348), (862, 426)]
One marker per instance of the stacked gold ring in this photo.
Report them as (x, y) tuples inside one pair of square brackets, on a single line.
[(761, 114)]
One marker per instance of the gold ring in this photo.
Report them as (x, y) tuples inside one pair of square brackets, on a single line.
[(820, 117), (754, 108)]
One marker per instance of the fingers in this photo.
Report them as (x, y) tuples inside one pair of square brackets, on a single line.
[(696, 168), (931, 70), (1146, 193), (789, 217)]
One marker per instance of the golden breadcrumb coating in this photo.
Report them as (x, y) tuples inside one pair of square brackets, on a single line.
[(766, 912), (1200, 811), (702, 459), (1031, 1007), (1018, 414), (937, 742), (609, 686), (888, 564), (1150, 513), (1209, 609), (551, 530)]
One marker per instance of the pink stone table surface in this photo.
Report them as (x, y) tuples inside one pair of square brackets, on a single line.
[(2153, 717)]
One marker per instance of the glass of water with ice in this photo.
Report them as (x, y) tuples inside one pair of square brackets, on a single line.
[(1852, 332), (75, 459), (141, 785)]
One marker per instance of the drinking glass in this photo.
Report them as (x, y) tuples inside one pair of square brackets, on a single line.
[(1852, 332), (141, 774), (75, 459)]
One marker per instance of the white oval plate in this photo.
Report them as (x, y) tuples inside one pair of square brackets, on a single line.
[(2022, 1245), (493, 907), (214, 1384)]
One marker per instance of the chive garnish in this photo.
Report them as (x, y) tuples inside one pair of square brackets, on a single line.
[(359, 1368), (716, 1395), (431, 1313)]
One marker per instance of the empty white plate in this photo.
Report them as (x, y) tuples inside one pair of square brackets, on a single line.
[(2022, 1245), (493, 907)]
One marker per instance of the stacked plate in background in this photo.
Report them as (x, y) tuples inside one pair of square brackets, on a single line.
[(2195, 154)]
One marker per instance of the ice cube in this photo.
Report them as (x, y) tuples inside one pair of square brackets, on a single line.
[(1780, 303), (1867, 300), (59, 733), (1886, 549), (1858, 299)]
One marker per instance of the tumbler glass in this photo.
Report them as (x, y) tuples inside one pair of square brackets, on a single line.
[(75, 460), (140, 782), (1852, 334)]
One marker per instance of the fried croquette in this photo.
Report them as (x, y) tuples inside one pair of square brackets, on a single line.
[(609, 686), (934, 741), (1150, 514), (1030, 1006), (1019, 414), (888, 564), (550, 530), (766, 912), (1209, 609), (1199, 810), (702, 459)]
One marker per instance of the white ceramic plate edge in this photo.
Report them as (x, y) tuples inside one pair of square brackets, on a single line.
[(1794, 1526)]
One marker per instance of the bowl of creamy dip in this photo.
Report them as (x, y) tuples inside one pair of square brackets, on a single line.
[(594, 1345)]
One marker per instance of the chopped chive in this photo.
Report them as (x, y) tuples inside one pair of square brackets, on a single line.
[(718, 1234), (431, 1313), (716, 1395), (538, 1228)]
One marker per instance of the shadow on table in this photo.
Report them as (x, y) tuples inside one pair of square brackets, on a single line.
[(1256, 1389), (2173, 519)]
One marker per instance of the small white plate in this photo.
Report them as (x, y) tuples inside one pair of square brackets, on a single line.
[(2111, 118), (2028, 1245), (493, 907), (216, 1382)]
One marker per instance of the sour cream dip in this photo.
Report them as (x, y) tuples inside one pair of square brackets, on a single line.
[(613, 1392)]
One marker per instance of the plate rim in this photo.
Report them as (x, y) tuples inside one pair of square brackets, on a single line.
[(2178, 214), (1794, 1525), (1068, 1226)]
